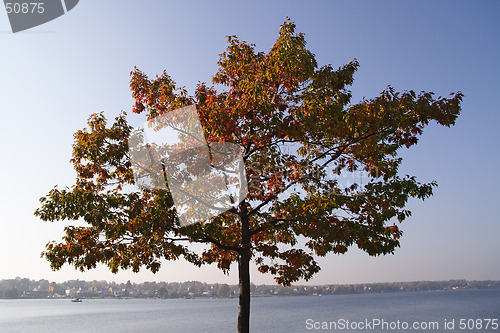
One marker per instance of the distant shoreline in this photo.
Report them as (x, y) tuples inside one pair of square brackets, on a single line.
[(20, 288)]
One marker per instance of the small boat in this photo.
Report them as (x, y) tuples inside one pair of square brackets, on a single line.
[(76, 300)]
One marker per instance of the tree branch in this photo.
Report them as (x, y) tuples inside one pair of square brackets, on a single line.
[(264, 226), (331, 159), (208, 239)]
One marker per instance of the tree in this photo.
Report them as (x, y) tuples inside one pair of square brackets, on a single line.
[(298, 135), (224, 291), (11, 293), (128, 285), (162, 292), (43, 285)]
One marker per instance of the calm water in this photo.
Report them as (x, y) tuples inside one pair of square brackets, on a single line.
[(269, 314)]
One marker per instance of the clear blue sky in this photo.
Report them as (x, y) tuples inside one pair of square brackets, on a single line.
[(54, 76)]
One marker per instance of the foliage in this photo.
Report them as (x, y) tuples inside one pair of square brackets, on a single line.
[(298, 134)]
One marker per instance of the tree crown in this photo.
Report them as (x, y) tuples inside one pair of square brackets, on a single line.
[(298, 133)]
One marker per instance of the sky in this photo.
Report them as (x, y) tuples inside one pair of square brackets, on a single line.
[(54, 76)]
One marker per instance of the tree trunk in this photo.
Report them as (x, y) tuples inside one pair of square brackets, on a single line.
[(244, 280), (244, 273)]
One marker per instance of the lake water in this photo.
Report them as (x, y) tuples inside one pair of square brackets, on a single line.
[(466, 309)]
